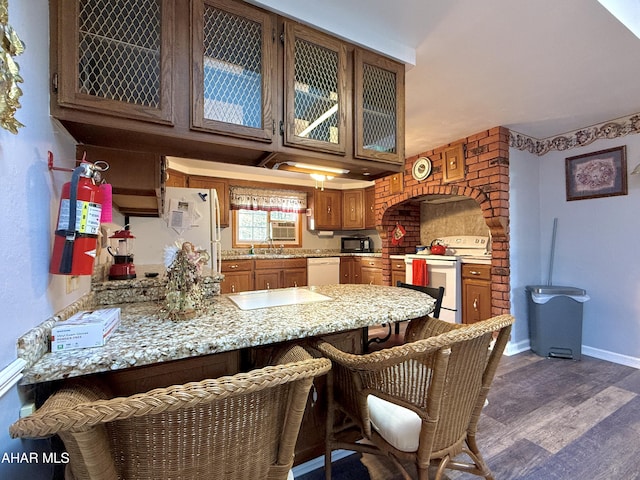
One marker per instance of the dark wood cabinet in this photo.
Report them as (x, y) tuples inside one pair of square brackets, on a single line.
[(268, 274), (294, 273), (353, 209), (233, 75), (271, 273), (268, 279), (221, 186), (398, 271), (135, 191), (379, 108), (326, 210), (315, 90), (476, 292), (115, 58), (349, 270), (253, 98), (369, 208), (238, 276), (174, 178), (371, 270)]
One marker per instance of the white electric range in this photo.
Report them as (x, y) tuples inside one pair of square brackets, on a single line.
[(445, 270)]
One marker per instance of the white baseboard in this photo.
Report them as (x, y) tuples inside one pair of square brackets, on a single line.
[(611, 356), (318, 462), (519, 347)]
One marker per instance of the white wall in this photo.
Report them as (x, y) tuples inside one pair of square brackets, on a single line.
[(29, 196), (595, 247)]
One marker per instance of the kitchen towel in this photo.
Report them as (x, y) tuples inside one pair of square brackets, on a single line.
[(420, 272)]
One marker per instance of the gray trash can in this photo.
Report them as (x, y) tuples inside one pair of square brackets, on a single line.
[(555, 320)]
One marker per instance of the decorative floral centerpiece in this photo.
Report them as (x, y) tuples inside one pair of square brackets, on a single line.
[(184, 264)]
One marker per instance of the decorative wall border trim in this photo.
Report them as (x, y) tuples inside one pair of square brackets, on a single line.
[(578, 138)]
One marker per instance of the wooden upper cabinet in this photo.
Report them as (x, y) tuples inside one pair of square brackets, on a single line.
[(115, 58), (315, 90), (378, 108), (353, 209), (327, 210), (370, 208), (222, 189), (174, 178), (233, 69), (136, 178)]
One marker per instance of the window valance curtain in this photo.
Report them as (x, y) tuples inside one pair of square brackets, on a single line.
[(267, 199)]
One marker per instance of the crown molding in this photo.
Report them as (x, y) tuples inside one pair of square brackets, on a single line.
[(578, 138)]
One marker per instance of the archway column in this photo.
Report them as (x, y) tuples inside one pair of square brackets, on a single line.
[(486, 180)]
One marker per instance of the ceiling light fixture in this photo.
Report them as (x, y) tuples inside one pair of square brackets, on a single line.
[(318, 168), (320, 179)]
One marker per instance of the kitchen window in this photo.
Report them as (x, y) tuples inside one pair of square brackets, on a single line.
[(267, 218)]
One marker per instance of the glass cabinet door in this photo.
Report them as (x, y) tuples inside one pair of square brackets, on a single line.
[(115, 57), (232, 69), (379, 108), (315, 90)]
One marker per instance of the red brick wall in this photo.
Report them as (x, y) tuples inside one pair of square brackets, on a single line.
[(486, 181)]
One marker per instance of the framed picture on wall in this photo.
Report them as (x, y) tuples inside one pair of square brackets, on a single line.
[(597, 174)]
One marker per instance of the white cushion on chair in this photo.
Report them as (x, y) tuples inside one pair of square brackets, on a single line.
[(397, 425), (290, 476)]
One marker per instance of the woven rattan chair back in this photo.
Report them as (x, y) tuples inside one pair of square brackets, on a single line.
[(443, 375), (237, 427)]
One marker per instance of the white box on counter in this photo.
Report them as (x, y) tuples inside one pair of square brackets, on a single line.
[(85, 329)]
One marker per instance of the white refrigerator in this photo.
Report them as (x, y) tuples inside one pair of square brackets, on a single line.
[(191, 215)]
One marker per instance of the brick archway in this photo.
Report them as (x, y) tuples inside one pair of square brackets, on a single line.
[(486, 181)]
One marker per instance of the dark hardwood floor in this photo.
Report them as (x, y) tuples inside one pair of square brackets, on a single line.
[(554, 419)]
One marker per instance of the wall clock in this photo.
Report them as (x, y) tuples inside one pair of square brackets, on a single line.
[(421, 168)]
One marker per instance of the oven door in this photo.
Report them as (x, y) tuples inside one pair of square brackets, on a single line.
[(445, 273)]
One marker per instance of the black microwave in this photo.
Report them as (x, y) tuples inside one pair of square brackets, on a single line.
[(356, 245)]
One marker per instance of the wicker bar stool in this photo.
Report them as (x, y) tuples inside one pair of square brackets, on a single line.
[(235, 427), (420, 401)]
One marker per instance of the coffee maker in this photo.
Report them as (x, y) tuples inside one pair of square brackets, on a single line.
[(121, 249)]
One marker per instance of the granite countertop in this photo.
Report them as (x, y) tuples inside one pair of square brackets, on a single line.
[(146, 337), (306, 254)]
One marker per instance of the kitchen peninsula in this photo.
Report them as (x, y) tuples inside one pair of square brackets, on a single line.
[(145, 337)]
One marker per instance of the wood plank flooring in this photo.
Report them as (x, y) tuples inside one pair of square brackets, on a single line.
[(554, 419)]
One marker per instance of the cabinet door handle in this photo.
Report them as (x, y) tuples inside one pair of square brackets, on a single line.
[(233, 266), (474, 272), (475, 304), (268, 286), (233, 288)]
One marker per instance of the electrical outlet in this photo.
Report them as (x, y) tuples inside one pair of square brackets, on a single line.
[(73, 282)]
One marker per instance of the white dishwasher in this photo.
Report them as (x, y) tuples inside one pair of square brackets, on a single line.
[(323, 271)]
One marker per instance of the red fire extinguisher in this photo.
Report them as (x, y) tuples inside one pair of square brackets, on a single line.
[(74, 247)]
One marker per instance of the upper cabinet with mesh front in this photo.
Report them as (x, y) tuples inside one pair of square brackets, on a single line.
[(233, 74), (223, 80), (378, 108), (115, 57)]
